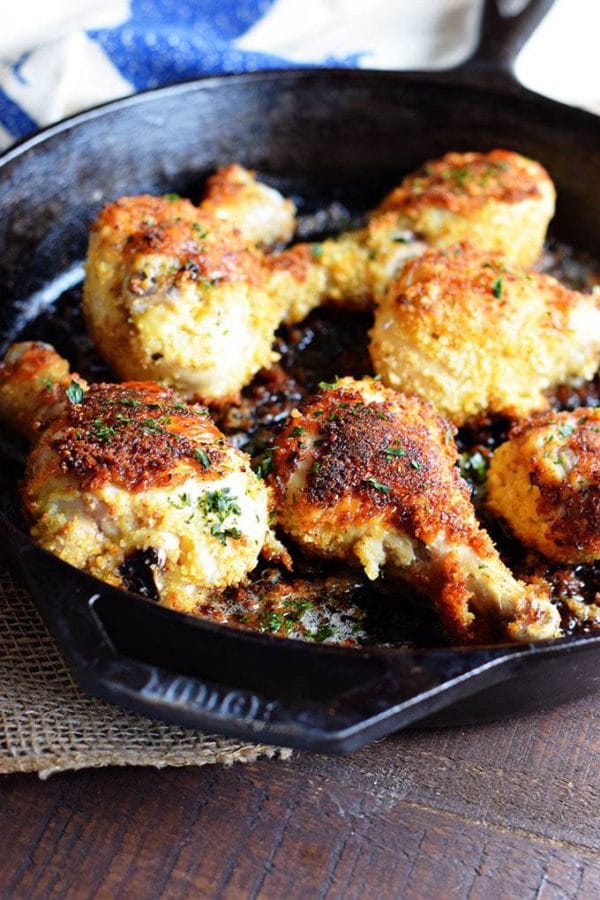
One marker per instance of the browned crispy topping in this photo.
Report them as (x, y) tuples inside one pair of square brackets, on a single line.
[(572, 502), (379, 453), (463, 181), (226, 184), (130, 434), (203, 248), (462, 271), (297, 260)]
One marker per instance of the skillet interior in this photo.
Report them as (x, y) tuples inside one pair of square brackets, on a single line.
[(336, 134)]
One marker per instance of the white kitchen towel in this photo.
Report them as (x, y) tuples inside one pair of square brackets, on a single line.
[(59, 57)]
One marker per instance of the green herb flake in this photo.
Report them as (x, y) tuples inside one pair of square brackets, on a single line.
[(321, 634), (474, 467), (298, 431), (497, 288), (75, 393), (566, 430), (217, 506), (171, 197), (317, 251), (328, 385), (264, 466), (202, 232), (394, 451), (379, 487), (202, 457), (102, 431)]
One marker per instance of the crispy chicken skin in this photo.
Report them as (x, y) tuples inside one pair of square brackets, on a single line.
[(33, 380), (545, 483), (367, 475), (122, 468), (471, 335), (177, 296), (261, 213), (499, 201), (351, 270)]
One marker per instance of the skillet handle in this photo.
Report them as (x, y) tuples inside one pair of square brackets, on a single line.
[(501, 38), (128, 651)]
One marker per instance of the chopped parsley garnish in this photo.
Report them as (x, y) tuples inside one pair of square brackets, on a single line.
[(566, 430), (381, 488), (328, 385), (497, 288), (264, 466), (155, 426), (321, 634), (171, 197), (297, 431), (202, 232), (102, 431), (416, 464), (317, 251), (273, 621), (75, 393), (130, 401), (202, 457), (217, 506), (474, 467), (316, 466), (47, 383), (394, 451)]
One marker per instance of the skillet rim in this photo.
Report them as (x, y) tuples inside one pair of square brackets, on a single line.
[(498, 83)]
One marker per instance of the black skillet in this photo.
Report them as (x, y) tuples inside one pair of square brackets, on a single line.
[(338, 133)]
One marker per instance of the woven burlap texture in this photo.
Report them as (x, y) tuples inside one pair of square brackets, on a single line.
[(48, 725)]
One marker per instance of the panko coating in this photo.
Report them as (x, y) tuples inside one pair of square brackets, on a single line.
[(544, 481), (124, 469), (368, 475), (180, 297), (471, 335), (33, 380), (501, 202), (350, 271), (261, 213)]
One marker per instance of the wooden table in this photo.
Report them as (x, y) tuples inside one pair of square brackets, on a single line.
[(509, 810)]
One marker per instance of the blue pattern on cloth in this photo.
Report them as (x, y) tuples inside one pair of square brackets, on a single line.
[(165, 41)]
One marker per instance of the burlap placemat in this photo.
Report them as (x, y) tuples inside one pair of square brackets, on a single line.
[(47, 725)]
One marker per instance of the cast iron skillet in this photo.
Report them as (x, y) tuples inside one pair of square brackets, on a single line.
[(328, 134)]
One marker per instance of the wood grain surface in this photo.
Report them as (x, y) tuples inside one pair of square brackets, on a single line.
[(509, 810)]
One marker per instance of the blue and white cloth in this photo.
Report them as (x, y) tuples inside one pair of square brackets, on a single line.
[(60, 56)]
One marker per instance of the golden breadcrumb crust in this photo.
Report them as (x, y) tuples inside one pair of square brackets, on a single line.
[(368, 475), (471, 335), (234, 195), (33, 378), (498, 201), (175, 295), (129, 468), (545, 482)]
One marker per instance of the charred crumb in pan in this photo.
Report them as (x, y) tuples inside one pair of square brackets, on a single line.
[(138, 575), (128, 435)]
